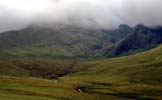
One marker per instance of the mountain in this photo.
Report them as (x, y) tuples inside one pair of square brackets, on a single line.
[(41, 41), (117, 34), (37, 41), (71, 41), (141, 38)]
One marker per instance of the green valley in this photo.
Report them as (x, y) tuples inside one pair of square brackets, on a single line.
[(135, 77), (80, 50)]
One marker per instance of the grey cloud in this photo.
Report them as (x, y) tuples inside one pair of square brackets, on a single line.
[(87, 13), (142, 11)]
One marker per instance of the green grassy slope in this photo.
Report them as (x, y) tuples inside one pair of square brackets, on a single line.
[(136, 77), (29, 67)]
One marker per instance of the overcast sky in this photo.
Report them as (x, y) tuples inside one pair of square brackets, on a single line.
[(15, 14)]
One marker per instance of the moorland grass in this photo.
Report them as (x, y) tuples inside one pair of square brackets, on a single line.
[(135, 77)]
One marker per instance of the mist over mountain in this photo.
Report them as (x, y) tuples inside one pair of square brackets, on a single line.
[(101, 14), (79, 27), (80, 50)]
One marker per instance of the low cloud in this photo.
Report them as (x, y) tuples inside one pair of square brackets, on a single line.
[(15, 14)]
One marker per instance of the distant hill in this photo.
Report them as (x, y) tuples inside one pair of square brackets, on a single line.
[(39, 41), (67, 41), (71, 41), (141, 38)]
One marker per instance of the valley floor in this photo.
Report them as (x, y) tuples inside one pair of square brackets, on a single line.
[(136, 77), (13, 88)]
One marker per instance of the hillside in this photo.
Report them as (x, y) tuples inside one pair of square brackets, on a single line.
[(38, 41), (61, 42), (135, 77), (40, 68), (54, 42)]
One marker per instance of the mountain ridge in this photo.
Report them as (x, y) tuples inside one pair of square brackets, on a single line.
[(141, 38), (66, 41), (37, 41)]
